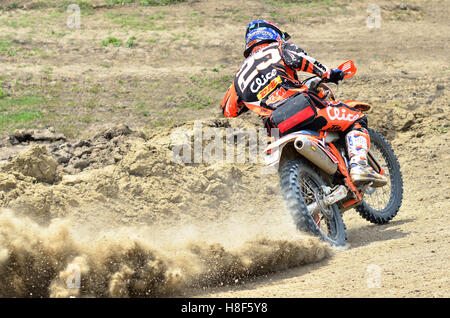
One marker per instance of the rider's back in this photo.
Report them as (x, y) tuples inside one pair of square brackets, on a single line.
[(269, 75)]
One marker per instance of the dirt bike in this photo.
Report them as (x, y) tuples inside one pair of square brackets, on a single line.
[(315, 180)]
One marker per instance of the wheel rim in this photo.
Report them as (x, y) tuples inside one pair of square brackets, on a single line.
[(311, 192), (379, 198)]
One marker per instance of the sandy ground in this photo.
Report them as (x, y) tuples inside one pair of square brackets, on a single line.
[(114, 205)]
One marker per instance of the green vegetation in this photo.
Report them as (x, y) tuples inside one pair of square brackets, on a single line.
[(158, 2), (11, 6), (114, 41), (131, 42), (69, 130), (442, 129), (221, 83), (58, 34), (396, 103), (113, 2), (301, 3), (16, 111), (196, 100), (87, 4), (143, 2), (6, 47), (19, 117), (141, 109), (3, 94), (138, 21), (6, 104), (162, 123)]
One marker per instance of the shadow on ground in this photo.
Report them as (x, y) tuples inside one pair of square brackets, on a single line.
[(371, 233), (258, 282)]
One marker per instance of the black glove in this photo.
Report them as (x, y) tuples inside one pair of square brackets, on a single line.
[(335, 75)]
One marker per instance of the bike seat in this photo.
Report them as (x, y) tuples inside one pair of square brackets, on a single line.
[(308, 132)]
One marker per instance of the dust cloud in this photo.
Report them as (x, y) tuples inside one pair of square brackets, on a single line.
[(141, 227), (58, 261)]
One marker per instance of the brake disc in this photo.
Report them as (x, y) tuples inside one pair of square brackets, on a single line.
[(325, 211)]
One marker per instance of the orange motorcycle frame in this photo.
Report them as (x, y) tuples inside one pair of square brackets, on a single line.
[(358, 195), (337, 158)]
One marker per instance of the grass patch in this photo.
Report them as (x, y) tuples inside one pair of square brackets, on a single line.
[(301, 3), (143, 2), (58, 34), (122, 2), (158, 2), (162, 123), (69, 130), (3, 94), (9, 103), (20, 117), (196, 100), (6, 48), (16, 111), (131, 42), (219, 83), (152, 40), (442, 129), (114, 41), (138, 20), (87, 4)]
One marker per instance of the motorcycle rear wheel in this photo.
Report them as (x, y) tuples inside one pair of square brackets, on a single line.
[(380, 205), (301, 185)]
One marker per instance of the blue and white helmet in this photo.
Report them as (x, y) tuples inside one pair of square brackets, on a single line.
[(262, 31)]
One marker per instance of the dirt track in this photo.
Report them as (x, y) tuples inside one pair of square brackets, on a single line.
[(136, 224)]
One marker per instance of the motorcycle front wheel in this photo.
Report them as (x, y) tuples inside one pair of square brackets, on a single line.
[(301, 186)]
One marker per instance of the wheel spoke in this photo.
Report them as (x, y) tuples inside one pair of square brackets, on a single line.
[(311, 192)]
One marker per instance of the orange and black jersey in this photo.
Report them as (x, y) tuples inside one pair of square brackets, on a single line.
[(267, 77)]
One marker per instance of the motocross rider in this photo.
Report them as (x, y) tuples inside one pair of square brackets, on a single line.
[(268, 79)]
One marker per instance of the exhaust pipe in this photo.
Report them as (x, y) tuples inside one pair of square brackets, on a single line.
[(314, 154)]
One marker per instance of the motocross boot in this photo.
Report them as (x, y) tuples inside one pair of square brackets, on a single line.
[(358, 144)]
